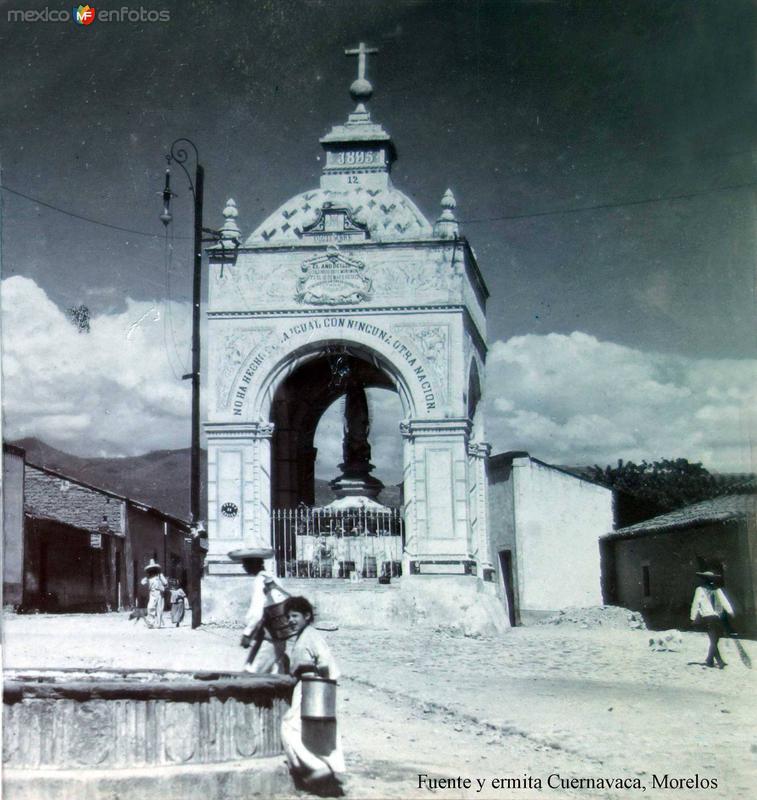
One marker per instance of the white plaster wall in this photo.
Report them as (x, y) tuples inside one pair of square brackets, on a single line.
[(13, 526), (415, 273), (501, 529), (249, 356), (558, 521)]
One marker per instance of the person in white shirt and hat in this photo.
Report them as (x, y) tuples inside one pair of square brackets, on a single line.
[(266, 628), (156, 583), (709, 606)]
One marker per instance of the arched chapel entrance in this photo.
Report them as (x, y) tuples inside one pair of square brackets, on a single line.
[(353, 535), (297, 407), (344, 288)]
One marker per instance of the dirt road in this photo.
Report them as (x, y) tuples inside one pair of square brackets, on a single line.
[(582, 705)]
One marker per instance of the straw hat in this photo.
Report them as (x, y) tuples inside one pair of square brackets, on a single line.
[(708, 574), (251, 552), (153, 565)]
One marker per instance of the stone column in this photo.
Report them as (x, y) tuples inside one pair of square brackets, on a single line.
[(437, 520), (239, 490), (478, 453)]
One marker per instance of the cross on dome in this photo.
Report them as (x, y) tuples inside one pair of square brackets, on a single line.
[(361, 89)]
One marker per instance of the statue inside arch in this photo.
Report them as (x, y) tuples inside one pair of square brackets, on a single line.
[(357, 425), (356, 480)]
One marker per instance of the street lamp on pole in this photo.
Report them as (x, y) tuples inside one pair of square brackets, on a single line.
[(179, 153)]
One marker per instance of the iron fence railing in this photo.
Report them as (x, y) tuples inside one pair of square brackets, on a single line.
[(344, 543)]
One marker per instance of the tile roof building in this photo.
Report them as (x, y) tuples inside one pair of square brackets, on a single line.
[(71, 546), (718, 509), (651, 566)]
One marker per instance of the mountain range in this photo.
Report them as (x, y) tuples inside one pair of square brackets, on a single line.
[(159, 479)]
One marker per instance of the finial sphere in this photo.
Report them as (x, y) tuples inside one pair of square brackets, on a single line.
[(448, 201), (361, 90)]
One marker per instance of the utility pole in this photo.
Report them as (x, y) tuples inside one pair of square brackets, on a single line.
[(179, 154)]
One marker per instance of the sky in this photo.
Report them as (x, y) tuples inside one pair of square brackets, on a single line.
[(602, 156)]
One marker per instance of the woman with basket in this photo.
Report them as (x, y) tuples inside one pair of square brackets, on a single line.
[(266, 627)]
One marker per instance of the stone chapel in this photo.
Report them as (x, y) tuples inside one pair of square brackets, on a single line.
[(349, 286)]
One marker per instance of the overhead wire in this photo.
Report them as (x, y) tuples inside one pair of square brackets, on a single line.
[(600, 206), (498, 218), (82, 217)]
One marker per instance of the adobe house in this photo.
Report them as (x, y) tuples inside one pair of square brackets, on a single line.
[(70, 546), (73, 543), (544, 526), (650, 567)]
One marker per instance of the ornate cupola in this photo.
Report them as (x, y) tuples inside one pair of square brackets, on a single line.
[(356, 199)]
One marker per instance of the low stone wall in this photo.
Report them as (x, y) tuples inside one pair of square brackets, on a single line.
[(77, 726), (459, 603)]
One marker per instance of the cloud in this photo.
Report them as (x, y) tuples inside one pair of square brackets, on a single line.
[(576, 400), (114, 391), (567, 399)]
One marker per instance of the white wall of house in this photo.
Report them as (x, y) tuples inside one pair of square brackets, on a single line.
[(550, 521), (558, 521), (13, 525)]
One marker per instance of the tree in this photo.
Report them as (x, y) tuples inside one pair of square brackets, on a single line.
[(79, 317), (666, 484)]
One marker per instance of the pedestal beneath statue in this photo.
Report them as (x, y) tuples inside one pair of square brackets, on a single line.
[(356, 480), (353, 484)]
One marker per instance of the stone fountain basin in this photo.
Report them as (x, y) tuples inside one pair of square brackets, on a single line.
[(69, 719)]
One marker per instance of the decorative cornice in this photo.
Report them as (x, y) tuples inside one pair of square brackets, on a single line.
[(413, 428), (430, 241), (479, 449), (329, 312), (239, 430)]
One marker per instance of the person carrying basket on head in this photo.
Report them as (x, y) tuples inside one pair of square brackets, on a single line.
[(266, 627)]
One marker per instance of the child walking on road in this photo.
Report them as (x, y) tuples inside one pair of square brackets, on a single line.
[(178, 603)]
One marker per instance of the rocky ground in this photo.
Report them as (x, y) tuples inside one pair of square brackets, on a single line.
[(581, 699)]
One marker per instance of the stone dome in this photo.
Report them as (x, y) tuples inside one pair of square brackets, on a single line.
[(387, 213)]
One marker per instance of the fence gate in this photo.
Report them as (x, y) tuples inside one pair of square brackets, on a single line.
[(324, 543)]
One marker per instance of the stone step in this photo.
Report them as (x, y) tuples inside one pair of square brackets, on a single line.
[(319, 585), (450, 601), (344, 603)]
